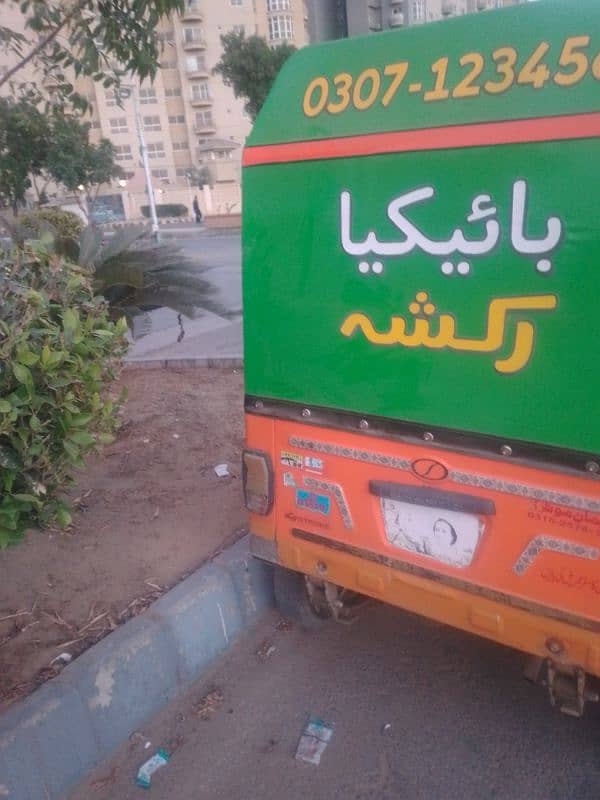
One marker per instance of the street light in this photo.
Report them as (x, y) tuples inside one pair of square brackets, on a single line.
[(125, 92)]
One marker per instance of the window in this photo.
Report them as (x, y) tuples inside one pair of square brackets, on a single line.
[(181, 146), (156, 150), (281, 27), (200, 91), (118, 125), (375, 19), (160, 173), (182, 172), (418, 11), (174, 92), (95, 124), (278, 5), (219, 155), (176, 119), (195, 64), (111, 98), (152, 123), (204, 119), (166, 36), (191, 35), (239, 29), (148, 96), (123, 152), (168, 64), (235, 2)]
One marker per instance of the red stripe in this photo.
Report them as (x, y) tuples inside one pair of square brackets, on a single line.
[(544, 129)]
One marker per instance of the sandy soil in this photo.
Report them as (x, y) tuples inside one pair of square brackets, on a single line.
[(149, 511)]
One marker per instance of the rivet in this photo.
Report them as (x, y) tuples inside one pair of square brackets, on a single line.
[(321, 567), (363, 425), (592, 466), (506, 450), (258, 404), (306, 412), (554, 646), (428, 437)]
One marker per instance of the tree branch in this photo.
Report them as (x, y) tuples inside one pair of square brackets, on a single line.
[(44, 43)]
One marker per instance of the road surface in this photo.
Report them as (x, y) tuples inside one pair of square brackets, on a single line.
[(420, 712)]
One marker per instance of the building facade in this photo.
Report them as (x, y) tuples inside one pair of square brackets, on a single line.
[(331, 19), (193, 125)]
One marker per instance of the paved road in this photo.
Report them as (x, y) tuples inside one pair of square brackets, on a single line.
[(219, 256), (464, 724)]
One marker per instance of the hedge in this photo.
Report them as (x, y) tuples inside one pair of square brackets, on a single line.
[(167, 210)]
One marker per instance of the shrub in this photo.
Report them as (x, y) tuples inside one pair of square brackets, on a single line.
[(167, 210), (58, 350), (66, 224)]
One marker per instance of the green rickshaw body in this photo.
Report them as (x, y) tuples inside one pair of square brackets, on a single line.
[(457, 160)]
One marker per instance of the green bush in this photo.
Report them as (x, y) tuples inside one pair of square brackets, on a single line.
[(58, 350), (66, 224), (167, 210)]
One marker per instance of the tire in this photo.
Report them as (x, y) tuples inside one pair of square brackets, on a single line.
[(291, 597)]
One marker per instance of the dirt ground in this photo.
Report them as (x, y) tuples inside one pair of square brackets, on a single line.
[(148, 511)]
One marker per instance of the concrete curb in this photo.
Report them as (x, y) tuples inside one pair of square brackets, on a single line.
[(184, 363), (51, 741)]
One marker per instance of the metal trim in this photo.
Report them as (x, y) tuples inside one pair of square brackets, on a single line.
[(338, 493), (473, 443), (463, 478), (454, 583), (435, 498)]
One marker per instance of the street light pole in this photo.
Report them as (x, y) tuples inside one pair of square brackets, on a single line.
[(125, 91)]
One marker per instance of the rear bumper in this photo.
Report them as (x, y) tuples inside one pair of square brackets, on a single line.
[(506, 621)]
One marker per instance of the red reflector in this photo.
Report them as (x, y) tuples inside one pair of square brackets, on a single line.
[(258, 481)]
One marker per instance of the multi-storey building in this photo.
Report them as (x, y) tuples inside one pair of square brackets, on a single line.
[(193, 125), (332, 19)]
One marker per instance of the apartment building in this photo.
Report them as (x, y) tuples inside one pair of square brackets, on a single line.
[(281, 21), (192, 123), (332, 19)]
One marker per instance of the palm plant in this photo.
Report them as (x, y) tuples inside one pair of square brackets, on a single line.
[(134, 273)]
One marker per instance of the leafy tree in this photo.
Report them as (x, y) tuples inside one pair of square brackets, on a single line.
[(23, 149), (72, 161), (64, 40), (200, 176), (250, 67), (38, 149)]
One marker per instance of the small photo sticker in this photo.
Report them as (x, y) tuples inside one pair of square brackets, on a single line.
[(309, 501), (312, 464), (288, 479), (291, 459)]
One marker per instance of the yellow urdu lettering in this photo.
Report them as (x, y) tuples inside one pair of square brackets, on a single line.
[(445, 337)]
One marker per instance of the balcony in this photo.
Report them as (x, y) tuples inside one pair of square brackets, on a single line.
[(205, 126), (192, 12), (199, 71), (194, 40), (200, 101)]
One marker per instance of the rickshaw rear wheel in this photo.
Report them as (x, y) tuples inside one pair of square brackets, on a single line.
[(309, 609)]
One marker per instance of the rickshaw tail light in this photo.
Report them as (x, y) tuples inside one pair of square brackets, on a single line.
[(257, 473)]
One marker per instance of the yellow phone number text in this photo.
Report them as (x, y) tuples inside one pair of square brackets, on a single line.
[(574, 63)]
